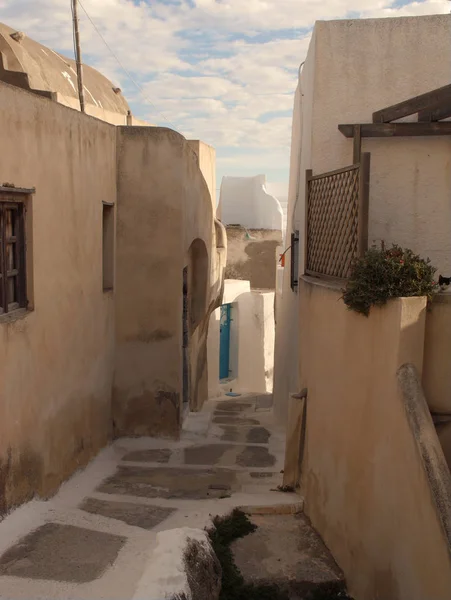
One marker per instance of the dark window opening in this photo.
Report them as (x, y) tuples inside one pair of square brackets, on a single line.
[(185, 340), (13, 277), (108, 246), (294, 275)]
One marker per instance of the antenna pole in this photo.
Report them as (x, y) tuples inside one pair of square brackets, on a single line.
[(81, 90)]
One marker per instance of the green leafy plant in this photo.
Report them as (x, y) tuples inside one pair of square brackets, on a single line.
[(384, 273)]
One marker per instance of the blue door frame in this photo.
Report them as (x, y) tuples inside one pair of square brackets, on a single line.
[(224, 341)]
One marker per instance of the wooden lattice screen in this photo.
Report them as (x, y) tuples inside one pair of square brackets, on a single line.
[(337, 219)]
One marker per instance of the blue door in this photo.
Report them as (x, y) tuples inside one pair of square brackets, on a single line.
[(224, 341)]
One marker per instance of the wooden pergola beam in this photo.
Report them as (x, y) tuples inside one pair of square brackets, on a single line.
[(413, 105), (397, 129), (436, 113)]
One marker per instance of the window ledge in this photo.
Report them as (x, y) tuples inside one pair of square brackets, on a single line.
[(331, 284), (15, 315)]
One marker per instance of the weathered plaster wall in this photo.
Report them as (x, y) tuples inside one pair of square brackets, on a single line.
[(345, 78), (244, 201), (56, 362), (437, 353), (252, 255), (366, 487), (164, 206)]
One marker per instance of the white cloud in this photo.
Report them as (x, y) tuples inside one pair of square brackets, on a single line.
[(223, 70)]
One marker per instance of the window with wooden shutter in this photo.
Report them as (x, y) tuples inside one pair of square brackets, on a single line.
[(13, 276)]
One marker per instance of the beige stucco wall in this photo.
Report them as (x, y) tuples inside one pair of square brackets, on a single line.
[(252, 255), (56, 362), (355, 67), (207, 163), (164, 206), (366, 488), (437, 353), (410, 186)]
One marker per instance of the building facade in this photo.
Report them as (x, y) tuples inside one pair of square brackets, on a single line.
[(364, 399), (112, 263)]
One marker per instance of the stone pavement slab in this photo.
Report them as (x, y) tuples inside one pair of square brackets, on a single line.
[(170, 483), (285, 550), (138, 515), (62, 553), (95, 540)]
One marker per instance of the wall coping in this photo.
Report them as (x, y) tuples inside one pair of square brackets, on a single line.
[(443, 298), (331, 284), (425, 436), (338, 284)]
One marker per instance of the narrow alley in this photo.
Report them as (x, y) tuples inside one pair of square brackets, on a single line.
[(98, 537), (224, 362)]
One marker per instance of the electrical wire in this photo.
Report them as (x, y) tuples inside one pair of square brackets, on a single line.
[(126, 71), (129, 75)]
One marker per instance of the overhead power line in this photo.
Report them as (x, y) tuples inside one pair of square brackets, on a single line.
[(129, 75), (126, 71)]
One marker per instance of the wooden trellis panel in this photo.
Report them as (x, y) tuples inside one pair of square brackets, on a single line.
[(337, 219)]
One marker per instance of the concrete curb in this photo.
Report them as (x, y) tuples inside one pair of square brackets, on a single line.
[(182, 566), (274, 509)]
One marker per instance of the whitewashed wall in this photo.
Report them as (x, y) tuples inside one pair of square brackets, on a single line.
[(251, 341), (245, 201)]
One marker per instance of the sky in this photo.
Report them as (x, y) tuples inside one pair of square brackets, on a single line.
[(223, 71)]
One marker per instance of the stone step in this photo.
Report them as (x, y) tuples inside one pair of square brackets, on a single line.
[(286, 551)]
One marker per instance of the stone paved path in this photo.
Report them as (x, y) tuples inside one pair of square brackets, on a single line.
[(95, 538)]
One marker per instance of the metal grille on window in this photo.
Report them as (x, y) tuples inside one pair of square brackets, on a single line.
[(12, 256)]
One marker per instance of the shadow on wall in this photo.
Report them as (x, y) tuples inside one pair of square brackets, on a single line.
[(198, 270), (199, 316)]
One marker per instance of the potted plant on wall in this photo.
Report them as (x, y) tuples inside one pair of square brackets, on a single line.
[(385, 273)]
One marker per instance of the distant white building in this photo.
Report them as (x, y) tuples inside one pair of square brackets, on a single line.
[(245, 201), (280, 191), (242, 331)]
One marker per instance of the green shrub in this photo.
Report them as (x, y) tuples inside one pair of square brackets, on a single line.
[(383, 273)]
